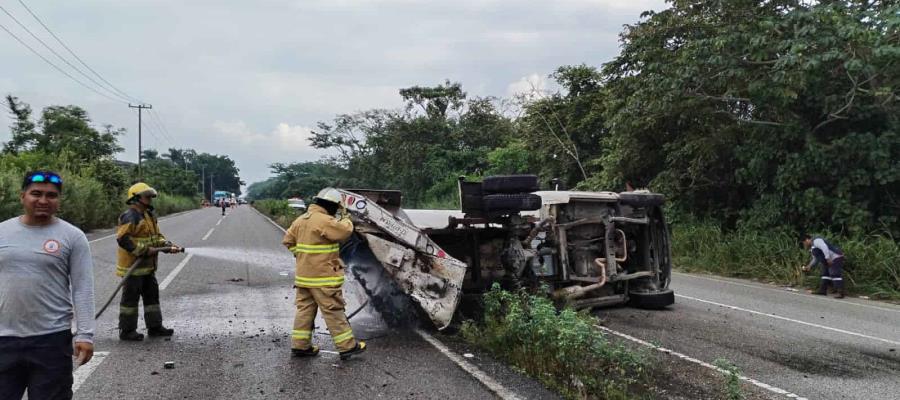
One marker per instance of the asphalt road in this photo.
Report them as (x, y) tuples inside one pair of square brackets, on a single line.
[(811, 346), (230, 301)]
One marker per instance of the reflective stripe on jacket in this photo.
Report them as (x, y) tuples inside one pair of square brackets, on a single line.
[(136, 234), (315, 238)]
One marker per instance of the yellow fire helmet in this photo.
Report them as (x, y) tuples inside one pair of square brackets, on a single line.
[(329, 194), (139, 189)]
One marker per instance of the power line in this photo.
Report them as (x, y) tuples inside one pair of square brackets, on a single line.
[(41, 56), (63, 59), (117, 90), (158, 126), (162, 125)]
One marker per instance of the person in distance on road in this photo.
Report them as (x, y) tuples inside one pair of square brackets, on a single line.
[(315, 238), (138, 236), (831, 258), (45, 271)]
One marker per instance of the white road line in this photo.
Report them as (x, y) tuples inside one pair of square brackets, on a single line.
[(761, 286), (752, 381), (220, 221), (83, 372), (105, 237), (776, 316), (208, 233), (169, 278), (269, 219), (485, 379)]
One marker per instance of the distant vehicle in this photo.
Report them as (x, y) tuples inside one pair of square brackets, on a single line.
[(297, 203), (218, 196)]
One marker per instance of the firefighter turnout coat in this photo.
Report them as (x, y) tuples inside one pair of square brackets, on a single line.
[(315, 238), (136, 234)]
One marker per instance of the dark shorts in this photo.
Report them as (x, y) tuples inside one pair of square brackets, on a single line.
[(42, 364)]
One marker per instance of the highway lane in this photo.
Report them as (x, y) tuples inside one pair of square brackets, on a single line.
[(812, 346), (231, 304)]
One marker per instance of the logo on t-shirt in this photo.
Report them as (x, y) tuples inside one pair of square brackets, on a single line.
[(51, 246)]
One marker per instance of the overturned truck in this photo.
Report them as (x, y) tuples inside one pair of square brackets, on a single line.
[(586, 249)]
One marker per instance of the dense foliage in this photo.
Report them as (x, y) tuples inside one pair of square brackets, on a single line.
[(561, 349), (750, 113), (63, 139)]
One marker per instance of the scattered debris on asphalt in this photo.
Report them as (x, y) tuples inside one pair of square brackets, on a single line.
[(169, 365)]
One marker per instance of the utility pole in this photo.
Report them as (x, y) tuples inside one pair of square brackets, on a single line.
[(203, 183), (140, 108), (212, 186)]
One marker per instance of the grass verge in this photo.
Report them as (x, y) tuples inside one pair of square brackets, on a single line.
[(279, 211), (872, 265), (561, 349), (86, 202)]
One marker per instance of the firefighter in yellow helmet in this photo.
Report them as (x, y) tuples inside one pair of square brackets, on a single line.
[(138, 236), (315, 238)]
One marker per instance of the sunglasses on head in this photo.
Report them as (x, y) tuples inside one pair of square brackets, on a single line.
[(44, 177)]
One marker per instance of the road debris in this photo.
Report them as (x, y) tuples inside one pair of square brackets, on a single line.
[(169, 365)]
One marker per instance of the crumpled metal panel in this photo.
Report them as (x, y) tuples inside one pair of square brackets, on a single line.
[(434, 283), (420, 267)]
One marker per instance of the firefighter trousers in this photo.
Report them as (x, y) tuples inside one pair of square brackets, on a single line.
[(135, 288), (331, 301), (833, 275)]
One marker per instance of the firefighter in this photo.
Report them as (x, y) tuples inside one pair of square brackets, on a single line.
[(315, 238), (138, 235), (831, 258)]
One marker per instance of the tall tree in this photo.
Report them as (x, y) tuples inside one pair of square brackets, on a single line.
[(60, 128), (762, 112)]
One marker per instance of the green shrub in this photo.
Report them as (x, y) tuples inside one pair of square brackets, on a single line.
[(561, 349), (278, 210), (167, 204), (733, 388), (86, 204), (93, 194), (872, 265)]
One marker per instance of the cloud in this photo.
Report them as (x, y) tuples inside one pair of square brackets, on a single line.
[(254, 150), (247, 79), (531, 86)]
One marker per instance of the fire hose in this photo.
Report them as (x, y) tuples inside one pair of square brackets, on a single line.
[(170, 250)]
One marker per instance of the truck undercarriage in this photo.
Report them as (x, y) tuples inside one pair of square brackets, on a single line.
[(584, 249)]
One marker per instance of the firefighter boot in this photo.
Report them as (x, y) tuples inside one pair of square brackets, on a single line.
[(160, 331), (131, 336), (359, 348), (312, 351), (823, 288), (839, 289)]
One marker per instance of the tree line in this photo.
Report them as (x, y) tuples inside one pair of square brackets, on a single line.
[(752, 114), (63, 138)]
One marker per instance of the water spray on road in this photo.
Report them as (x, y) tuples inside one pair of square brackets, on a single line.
[(277, 259)]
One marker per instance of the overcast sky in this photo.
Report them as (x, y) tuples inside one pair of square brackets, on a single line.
[(250, 78)]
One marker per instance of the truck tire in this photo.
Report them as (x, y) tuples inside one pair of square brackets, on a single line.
[(512, 202), (472, 203), (642, 199), (652, 300), (511, 184)]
